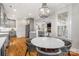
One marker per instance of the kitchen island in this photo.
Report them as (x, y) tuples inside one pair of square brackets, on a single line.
[(4, 39)]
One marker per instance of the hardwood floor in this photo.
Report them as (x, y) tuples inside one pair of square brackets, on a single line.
[(19, 47), (72, 54)]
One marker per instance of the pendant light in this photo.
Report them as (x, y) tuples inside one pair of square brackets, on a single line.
[(44, 11)]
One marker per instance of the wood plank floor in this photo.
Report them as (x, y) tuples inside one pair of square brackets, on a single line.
[(72, 54), (19, 47)]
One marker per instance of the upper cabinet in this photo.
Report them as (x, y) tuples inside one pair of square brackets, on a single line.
[(4, 21), (2, 15)]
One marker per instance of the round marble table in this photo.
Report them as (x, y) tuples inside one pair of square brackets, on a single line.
[(48, 43)]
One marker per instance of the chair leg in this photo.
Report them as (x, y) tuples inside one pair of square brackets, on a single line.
[(28, 50)]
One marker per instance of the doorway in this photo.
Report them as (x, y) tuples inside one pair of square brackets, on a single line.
[(49, 27)]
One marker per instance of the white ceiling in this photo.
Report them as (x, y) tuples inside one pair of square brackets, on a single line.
[(24, 9)]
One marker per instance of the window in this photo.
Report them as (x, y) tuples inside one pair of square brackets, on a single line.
[(62, 27)]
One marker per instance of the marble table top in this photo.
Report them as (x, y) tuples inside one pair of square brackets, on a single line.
[(47, 42)]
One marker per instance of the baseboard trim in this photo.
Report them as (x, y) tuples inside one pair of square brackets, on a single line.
[(20, 36)]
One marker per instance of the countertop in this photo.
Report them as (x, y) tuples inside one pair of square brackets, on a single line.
[(2, 40)]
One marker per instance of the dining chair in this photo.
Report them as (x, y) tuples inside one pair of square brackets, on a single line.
[(66, 48), (31, 49)]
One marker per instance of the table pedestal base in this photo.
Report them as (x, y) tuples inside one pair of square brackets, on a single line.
[(49, 53)]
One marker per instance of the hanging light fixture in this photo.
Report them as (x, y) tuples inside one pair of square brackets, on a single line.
[(44, 11)]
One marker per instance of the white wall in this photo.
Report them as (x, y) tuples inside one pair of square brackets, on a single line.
[(75, 26), (20, 28)]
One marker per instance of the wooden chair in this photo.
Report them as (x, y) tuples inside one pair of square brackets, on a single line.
[(31, 52)]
